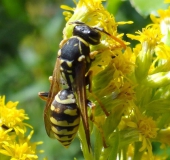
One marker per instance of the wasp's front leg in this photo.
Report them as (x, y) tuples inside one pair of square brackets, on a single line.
[(93, 54), (43, 95)]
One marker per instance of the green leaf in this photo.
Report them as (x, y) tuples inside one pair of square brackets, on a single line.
[(145, 7), (98, 144), (113, 6)]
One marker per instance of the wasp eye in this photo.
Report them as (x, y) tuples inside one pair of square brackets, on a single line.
[(87, 33)]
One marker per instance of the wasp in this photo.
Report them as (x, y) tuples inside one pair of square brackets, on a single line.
[(65, 105)]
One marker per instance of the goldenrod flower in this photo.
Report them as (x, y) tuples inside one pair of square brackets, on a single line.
[(145, 128), (167, 1), (13, 142), (164, 21), (149, 37), (22, 150), (12, 117)]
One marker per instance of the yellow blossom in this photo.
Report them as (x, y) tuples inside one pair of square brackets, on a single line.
[(4, 136), (13, 142), (167, 1), (19, 151), (164, 136), (147, 130), (149, 37), (12, 117), (146, 156), (164, 21)]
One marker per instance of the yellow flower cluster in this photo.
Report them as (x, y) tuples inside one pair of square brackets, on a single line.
[(13, 141)]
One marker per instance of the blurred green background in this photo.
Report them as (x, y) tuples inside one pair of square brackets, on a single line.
[(30, 33)]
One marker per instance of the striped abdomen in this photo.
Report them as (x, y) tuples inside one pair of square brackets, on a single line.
[(65, 117)]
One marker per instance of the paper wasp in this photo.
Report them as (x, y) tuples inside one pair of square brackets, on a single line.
[(71, 69)]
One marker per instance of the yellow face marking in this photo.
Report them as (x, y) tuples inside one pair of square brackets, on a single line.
[(71, 112), (64, 123)]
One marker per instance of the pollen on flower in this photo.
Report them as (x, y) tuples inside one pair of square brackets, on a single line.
[(12, 117), (149, 37), (19, 151), (12, 144), (147, 127), (165, 25), (163, 20), (4, 135)]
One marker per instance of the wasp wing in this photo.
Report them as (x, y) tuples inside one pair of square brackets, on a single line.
[(54, 89), (80, 88)]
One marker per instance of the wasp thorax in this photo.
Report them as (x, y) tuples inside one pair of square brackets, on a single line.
[(90, 35)]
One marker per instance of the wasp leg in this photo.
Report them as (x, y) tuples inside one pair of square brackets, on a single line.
[(88, 77), (43, 95), (100, 104), (88, 80), (92, 118), (6, 127), (112, 36), (93, 54)]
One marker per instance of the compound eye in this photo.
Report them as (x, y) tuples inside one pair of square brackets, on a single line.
[(90, 35), (81, 30)]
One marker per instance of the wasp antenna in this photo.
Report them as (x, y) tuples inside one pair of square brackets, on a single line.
[(119, 40), (113, 37), (101, 104), (76, 22)]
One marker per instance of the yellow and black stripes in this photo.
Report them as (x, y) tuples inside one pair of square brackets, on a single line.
[(65, 117)]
